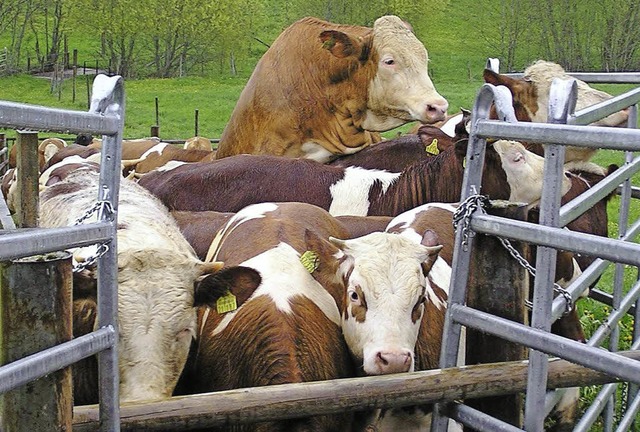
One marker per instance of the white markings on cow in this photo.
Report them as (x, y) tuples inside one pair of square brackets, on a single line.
[(158, 148), (171, 165), (315, 151), (350, 196), (449, 127)]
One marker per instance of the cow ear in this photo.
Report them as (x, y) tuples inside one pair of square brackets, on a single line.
[(432, 242), (491, 77), (240, 281), (339, 44)]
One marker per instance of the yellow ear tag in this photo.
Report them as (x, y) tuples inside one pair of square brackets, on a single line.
[(226, 303), (310, 261), (433, 147), (464, 162)]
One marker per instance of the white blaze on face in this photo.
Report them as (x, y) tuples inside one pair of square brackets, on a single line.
[(350, 196), (384, 304), (525, 171), (401, 91)]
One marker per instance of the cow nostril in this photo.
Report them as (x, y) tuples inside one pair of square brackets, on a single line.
[(382, 360)]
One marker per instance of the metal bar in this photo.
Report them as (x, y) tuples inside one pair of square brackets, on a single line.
[(585, 201), (108, 190), (487, 95), (596, 407), (50, 360), (600, 360), (620, 308), (630, 415), (601, 110), (562, 101), (17, 115), (6, 221), (589, 244), (582, 282), (607, 299), (597, 77), (582, 136), (477, 420), (26, 242)]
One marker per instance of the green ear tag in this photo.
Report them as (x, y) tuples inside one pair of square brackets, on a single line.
[(226, 303), (433, 147), (309, 260)]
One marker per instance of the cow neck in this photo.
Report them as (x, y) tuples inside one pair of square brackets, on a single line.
[(437, 179)]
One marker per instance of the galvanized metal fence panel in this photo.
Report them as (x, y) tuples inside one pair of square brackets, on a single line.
[(565, 127), (106, 117)]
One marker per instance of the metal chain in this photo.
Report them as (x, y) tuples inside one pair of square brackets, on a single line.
[(92, 259), (99, 205), (102, 206), (532, 271), (478, 202), (463, 214)]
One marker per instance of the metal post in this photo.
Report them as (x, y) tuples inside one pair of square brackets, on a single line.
[(562, 102), (28, 173), (36, 314)]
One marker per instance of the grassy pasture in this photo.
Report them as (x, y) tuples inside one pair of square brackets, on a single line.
[(215, 98)]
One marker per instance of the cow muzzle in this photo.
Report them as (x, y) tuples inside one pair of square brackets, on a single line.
[(390, 361)]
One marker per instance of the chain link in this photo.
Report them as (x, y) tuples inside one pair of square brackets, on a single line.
[(478, 202), (99, 206), (463, 214)]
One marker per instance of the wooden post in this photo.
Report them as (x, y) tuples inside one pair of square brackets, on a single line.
[(155, 129), (27, 201), (74, 75), (35, 297), (4, 154), (88, 90), (196, 123), (499, 285)]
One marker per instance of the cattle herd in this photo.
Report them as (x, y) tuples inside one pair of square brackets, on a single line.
[(306, 247)]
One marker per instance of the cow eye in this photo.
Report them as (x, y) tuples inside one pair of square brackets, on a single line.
[(353, 296), (389, 61)]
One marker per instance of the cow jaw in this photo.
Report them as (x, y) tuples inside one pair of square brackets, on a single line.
[(384, 300), (401, 91)]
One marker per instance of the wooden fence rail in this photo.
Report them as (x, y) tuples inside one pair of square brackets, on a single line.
[(256, 404)]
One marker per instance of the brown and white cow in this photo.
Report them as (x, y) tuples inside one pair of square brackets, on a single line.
[(197, 143), (438, 217), (531, 99), (201, 227), (229, 184), (323, 89), (294, 316), (157, 270), (46, 149), (163, 153)]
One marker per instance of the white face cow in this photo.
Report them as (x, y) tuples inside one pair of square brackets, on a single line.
[(525, 171), (385, 296), (401, 91)]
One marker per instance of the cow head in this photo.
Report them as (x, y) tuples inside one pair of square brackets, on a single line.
[(384, 298), (157, 319), (401, 90), (524, 170)]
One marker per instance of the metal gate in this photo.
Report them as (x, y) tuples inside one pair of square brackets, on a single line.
[(565, 127), (106, 117)]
